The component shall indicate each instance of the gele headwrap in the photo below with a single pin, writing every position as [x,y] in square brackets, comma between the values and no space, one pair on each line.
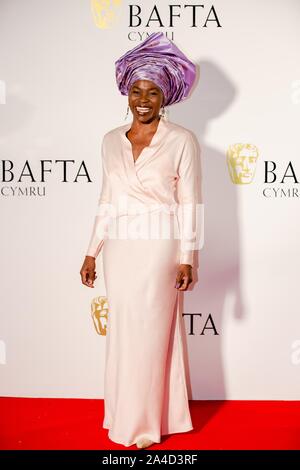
[159,60]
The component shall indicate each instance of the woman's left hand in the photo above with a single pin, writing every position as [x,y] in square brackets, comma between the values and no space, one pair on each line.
[184,276]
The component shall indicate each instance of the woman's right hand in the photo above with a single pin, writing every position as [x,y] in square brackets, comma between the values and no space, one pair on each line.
[88,271]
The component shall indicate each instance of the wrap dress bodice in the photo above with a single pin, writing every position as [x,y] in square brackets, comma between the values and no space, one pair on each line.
[165,177]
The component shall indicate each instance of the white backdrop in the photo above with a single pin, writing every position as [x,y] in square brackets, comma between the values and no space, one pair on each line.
[58,97]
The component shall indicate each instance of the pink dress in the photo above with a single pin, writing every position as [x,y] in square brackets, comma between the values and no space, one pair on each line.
[145,392]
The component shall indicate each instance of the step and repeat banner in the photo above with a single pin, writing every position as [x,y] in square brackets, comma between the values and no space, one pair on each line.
[58,97]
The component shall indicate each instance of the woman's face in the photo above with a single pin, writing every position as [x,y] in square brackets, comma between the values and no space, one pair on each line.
[145,94]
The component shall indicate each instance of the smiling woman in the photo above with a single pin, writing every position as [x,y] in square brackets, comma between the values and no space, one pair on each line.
[152,163]
[145,101]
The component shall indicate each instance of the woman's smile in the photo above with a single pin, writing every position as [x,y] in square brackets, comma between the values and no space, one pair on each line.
[142,110]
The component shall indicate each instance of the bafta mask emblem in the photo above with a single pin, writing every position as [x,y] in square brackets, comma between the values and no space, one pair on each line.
[241,162]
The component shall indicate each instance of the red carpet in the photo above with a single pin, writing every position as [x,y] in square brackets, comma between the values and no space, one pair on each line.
[40,423]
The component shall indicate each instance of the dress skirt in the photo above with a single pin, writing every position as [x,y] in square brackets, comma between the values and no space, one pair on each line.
[145,392]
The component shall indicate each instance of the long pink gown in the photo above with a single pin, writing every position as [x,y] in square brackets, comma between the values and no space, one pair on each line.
[145,392]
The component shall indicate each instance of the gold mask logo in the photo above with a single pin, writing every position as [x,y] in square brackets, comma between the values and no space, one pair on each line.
[105,12]
[241,162]
[99,309]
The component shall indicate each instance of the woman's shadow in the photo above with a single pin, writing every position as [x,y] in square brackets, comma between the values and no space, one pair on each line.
[215,292]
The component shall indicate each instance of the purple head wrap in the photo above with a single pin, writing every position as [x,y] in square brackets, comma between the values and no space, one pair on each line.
[159,60]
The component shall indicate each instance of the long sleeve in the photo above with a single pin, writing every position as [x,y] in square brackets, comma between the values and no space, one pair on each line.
[191,207]
[103,211]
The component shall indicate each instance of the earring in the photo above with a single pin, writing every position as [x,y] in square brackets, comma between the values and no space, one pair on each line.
[126,113]
[163,112]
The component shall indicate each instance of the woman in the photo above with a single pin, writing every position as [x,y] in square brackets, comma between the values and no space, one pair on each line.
[150,163]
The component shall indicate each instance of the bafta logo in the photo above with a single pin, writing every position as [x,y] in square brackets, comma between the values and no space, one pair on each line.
[105,12]
[241,162]
[99,308]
